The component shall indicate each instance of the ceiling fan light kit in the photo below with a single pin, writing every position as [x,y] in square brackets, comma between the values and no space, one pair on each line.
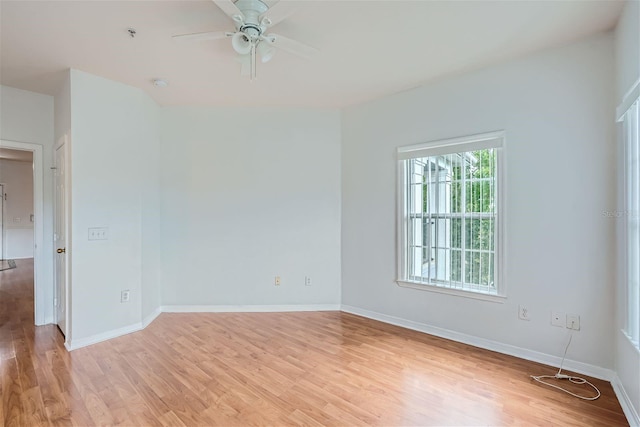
[252,18]
[265,51]
[241,43]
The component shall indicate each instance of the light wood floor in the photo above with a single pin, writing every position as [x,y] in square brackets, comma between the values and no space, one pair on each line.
[326,368]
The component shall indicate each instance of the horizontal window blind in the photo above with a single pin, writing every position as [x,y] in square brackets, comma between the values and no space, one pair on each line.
[450,211]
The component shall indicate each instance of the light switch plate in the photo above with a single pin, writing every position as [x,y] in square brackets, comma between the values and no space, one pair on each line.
[99,233]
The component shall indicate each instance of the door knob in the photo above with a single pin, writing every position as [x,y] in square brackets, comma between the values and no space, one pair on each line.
[61,250]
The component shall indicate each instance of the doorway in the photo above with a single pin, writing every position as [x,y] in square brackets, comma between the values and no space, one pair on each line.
[34,222]
[16,188]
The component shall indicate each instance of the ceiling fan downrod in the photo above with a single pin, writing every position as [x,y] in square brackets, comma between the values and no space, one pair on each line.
[250,23]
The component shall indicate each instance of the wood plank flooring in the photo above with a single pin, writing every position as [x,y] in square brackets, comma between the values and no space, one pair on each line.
[276,369]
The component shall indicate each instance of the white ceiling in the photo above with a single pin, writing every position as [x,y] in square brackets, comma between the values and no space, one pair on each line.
[368,49]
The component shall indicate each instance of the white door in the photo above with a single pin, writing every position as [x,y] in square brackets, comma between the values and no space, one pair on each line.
[1,223]
[60,239]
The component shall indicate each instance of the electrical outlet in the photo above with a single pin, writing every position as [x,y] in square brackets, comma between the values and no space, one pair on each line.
[307,281]
[523,313]
[558,319]
[124,295]
[276,281]
[573,322]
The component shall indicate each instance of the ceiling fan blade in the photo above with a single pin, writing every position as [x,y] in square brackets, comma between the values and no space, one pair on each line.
[229,8]
[279,12]
[209,35]
[291,46]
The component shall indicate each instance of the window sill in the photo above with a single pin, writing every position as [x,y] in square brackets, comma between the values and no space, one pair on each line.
[634,344]
[458,292]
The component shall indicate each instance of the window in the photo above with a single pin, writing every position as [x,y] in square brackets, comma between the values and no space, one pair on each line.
[450,215]
[631,137]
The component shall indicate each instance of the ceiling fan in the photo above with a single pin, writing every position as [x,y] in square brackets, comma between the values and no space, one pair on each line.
[252,18]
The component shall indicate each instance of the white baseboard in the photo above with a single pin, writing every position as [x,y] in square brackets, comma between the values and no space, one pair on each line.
[625,401]
[523,353]
[583,368]
[47,321]
[247,308]
[104,336]
[151,317]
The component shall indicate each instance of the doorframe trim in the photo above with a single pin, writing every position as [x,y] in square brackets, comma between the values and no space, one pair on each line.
[3,240]
[39,294]
[63,141]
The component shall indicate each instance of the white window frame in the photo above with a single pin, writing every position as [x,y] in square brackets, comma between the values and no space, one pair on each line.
[447,146]
[629,115]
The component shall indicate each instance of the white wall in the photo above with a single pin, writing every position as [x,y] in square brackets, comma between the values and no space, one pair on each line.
[28,117]
[115,185]
[556,108]
[18,208]
[627,42]
[151,237]
[62,108]
[248,194]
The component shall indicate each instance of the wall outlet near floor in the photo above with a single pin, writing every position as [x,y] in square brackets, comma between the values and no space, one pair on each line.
[523,313]
[124,295]
[573,322]
[558,319]
[307,281]
[276,281]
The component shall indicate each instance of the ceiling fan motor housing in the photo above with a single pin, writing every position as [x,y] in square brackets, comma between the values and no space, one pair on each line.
[251,9]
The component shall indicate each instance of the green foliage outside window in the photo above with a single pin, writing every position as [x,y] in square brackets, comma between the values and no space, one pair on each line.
[476,171]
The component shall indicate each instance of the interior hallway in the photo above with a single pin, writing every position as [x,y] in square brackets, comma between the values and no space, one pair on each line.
[319,368]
